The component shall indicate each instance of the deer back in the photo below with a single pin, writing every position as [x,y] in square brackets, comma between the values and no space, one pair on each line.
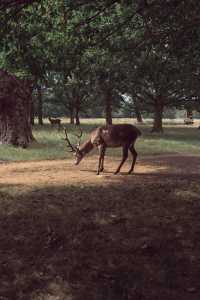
[54,121]
[115,135]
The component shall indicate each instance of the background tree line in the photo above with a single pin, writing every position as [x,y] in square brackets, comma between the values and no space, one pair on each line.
[82,57]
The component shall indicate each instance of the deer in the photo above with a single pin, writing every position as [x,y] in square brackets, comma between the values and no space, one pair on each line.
[103,137]
[55,121]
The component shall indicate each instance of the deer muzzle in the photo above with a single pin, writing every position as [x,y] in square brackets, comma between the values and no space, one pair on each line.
[78,158]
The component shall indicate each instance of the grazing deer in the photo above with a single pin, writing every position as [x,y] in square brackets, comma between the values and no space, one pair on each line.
[54,121]
[120,135]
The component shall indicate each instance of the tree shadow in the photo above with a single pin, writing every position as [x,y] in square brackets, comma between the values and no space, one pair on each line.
[171,166]
[92,242]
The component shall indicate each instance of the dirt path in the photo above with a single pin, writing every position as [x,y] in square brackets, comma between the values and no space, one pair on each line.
[62,172]
[63,236]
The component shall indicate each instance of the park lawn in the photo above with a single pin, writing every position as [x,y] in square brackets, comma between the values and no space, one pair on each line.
[50,145]
[66,233]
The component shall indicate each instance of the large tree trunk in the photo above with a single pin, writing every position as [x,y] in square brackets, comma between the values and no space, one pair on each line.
[15,106]
[189,113]
[77,117]
[77,109]
[71,115]
[138,113]
[158,116]
[40,105]
[108,107]
[32,113]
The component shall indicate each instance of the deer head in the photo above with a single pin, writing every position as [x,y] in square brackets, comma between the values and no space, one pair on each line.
[75,149]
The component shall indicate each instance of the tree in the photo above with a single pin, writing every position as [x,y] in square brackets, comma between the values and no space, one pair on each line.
[22,50]
[103,44]
[39,104]
[15,104]
[6,4]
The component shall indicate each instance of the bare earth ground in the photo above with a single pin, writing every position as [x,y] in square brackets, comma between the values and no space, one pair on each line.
[66,233]
[62,172]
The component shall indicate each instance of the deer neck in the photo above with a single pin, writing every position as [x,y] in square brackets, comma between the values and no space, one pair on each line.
[86,147]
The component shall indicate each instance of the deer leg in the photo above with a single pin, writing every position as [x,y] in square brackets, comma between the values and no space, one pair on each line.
[102,160]
[101,157]
[134,154]
[124,158]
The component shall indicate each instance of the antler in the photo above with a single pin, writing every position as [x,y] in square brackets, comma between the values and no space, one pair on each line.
[73,149]
[79,136]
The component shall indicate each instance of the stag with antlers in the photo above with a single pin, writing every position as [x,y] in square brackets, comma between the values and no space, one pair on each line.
[111,136]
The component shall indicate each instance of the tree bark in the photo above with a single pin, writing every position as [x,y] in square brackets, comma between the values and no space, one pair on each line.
[40,105]
[71,115]
[32,113]
[15,107]
[138,113]
[77,117]
[158,116]
[189,113]
[77,109]
[108,107]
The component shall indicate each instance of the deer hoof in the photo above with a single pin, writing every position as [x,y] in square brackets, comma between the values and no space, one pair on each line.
[130,172]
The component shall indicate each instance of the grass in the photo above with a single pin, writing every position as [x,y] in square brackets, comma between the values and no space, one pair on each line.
[50,144]
[133,237]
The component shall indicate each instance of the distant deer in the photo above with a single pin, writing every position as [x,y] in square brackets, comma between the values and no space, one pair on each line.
[54,121]
[120,135]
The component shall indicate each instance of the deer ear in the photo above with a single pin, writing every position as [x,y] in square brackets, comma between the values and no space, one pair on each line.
[76,149]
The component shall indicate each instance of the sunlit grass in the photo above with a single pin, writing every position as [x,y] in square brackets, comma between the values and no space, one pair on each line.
[50,142]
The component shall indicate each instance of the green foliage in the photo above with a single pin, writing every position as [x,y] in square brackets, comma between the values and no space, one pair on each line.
[80,50]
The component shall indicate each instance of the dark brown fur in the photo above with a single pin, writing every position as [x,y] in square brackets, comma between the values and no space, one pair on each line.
[120,135]
[54,121]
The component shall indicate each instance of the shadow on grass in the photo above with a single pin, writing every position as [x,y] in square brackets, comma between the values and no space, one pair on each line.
[116,242]
[173,133]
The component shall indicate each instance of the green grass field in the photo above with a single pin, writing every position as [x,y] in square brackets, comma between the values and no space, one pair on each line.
[50,144]
[66,233]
